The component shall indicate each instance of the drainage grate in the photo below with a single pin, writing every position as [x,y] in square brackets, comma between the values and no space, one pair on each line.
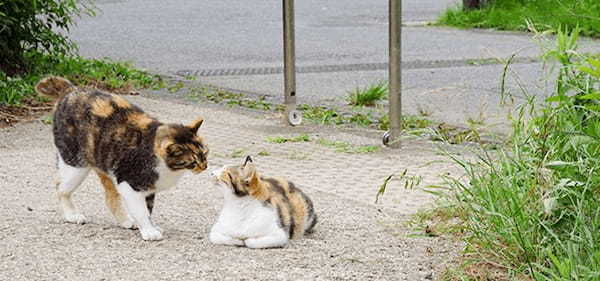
[347,67]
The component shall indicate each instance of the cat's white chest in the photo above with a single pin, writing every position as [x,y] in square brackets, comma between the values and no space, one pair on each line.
[247,218]
[167,178]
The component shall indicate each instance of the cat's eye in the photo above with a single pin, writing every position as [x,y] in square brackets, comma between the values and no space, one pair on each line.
[180,163]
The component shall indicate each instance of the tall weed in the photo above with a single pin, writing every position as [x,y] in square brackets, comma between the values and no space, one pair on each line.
[533,209]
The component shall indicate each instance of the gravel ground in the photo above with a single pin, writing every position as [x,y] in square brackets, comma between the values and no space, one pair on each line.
[354,240]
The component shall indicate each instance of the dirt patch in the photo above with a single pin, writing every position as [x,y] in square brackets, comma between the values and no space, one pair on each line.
[30,109]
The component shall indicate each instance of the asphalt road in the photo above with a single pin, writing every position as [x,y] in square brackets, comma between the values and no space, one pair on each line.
[343,44]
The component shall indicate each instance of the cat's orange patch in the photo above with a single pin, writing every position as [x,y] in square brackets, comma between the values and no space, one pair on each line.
[121,102]
[102,108]
[90,147]
[112,197]
[140,120]
[162,141]
[299,212]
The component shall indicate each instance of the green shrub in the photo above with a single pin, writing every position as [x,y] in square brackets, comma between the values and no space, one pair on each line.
[33,25]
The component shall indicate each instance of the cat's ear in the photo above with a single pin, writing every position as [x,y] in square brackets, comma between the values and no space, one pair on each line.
[248,160]
[251,180]
[250,176]
[195,125]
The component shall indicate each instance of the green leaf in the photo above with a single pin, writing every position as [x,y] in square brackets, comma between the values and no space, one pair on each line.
[382,188]
[559,98]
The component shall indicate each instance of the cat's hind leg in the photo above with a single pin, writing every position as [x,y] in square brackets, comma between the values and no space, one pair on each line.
[69,180]
[276,239]
[216,237]
[114,202]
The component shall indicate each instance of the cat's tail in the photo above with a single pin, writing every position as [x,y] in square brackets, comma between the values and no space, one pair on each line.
[54,87]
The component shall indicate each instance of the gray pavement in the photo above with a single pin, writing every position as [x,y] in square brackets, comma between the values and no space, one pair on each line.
[355,239]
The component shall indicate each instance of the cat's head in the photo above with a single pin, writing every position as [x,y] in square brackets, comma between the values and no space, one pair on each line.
[240,180]
[181,148]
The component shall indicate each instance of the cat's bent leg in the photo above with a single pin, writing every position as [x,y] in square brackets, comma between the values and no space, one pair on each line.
[136,205]
[70,179]
[275,239]
[114,202]
[216,237]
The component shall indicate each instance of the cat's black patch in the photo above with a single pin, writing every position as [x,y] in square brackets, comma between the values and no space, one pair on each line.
[150,202]
[281,220]
[292,226]
[312,224]
[236,188]
[276,186]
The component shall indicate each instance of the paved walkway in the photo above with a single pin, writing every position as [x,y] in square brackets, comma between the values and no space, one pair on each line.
[355,238]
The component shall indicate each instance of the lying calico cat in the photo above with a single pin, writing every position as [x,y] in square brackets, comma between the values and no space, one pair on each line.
[104,132]
[259,212]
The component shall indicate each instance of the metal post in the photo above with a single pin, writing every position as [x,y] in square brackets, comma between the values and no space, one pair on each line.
[289,64]
[395,73]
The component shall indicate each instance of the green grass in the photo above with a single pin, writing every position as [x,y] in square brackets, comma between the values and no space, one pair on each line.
[345,147]
[543,15]
[368,96]
[279,139]
[238,152]
[531,210]
[104,73]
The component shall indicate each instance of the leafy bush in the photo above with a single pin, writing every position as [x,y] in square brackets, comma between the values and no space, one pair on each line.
[35,25]
[534,208]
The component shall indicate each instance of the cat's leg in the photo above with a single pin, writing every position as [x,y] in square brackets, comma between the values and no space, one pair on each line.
[275,239]
[114,202]
[136,205]
[150,206]
[217,237]
[69,180]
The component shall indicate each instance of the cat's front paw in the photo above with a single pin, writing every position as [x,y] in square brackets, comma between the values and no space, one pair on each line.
[76,218]
[151,234]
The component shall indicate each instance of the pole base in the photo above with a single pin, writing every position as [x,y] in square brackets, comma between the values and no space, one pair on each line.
[387,140]
[294,117]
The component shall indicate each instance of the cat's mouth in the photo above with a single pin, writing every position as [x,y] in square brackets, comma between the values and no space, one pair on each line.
[199,168]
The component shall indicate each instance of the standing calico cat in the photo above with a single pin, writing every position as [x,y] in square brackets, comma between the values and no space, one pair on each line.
[259,212]
[104,132]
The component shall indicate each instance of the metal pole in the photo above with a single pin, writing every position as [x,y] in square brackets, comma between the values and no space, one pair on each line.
[395,73]
[289,64]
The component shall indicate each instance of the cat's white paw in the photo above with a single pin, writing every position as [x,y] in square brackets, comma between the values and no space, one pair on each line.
[76,218]
[276,240]
[151,234]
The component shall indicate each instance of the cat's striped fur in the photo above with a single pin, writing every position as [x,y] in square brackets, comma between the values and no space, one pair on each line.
[260,212]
